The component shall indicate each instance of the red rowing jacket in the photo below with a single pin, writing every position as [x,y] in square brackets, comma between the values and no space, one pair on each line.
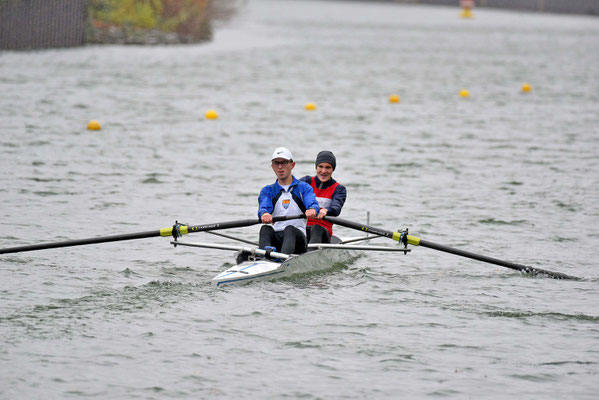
[324,198]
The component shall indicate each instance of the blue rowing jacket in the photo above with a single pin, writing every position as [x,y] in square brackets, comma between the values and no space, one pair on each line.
[276,201]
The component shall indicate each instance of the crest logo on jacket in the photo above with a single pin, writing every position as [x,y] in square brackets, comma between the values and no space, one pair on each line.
[285,203]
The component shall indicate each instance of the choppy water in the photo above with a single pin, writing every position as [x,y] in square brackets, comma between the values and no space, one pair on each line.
[501,173]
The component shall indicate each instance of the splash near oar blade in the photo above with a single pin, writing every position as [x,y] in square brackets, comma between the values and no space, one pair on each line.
[415,241]
[174,231]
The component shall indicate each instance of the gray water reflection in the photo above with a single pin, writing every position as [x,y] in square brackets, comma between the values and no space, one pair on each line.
[503,173]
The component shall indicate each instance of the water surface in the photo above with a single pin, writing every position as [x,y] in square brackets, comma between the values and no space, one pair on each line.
[502,173]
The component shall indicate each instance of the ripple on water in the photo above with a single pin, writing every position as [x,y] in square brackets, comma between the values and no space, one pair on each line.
[543,315]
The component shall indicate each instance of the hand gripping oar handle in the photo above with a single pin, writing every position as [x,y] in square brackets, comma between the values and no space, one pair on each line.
[179,230]
[405,238]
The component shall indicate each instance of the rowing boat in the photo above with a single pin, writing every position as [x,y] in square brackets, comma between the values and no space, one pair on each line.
[259,265]
[284,267]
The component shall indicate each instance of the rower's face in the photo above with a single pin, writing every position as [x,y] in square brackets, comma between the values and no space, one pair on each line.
[324,171]
[282,167]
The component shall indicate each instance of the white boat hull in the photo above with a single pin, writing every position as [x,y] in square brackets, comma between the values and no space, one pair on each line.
[313,261]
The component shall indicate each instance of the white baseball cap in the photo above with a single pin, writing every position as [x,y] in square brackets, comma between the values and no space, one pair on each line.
[282,152]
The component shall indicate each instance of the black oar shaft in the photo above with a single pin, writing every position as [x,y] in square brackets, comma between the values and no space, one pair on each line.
[81,242]
[491,260]
[183,229]
[237,224]
[362,227]
[419,242]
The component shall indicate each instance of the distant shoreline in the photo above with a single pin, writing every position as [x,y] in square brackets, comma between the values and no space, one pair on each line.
[585,7]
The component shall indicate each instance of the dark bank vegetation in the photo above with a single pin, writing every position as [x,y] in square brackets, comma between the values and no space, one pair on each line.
[156,21]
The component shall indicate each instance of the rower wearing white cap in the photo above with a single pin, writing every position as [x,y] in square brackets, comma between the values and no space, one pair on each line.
[287,196]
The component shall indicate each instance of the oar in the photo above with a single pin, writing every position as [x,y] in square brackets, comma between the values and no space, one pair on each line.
[175,231]
[407,239]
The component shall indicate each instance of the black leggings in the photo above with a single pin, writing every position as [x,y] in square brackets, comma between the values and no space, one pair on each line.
[288,241]
[318,234]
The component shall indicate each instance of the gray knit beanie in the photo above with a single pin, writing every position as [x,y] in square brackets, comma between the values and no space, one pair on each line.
[326,156]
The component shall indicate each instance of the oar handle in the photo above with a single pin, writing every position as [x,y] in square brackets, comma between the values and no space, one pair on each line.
[234,224]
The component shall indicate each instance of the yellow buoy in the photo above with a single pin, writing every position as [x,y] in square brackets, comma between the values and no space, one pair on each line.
[93,125]
[526,88]
[394,98]
[310,107]
[466,13]
[464,93]
[211,114]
